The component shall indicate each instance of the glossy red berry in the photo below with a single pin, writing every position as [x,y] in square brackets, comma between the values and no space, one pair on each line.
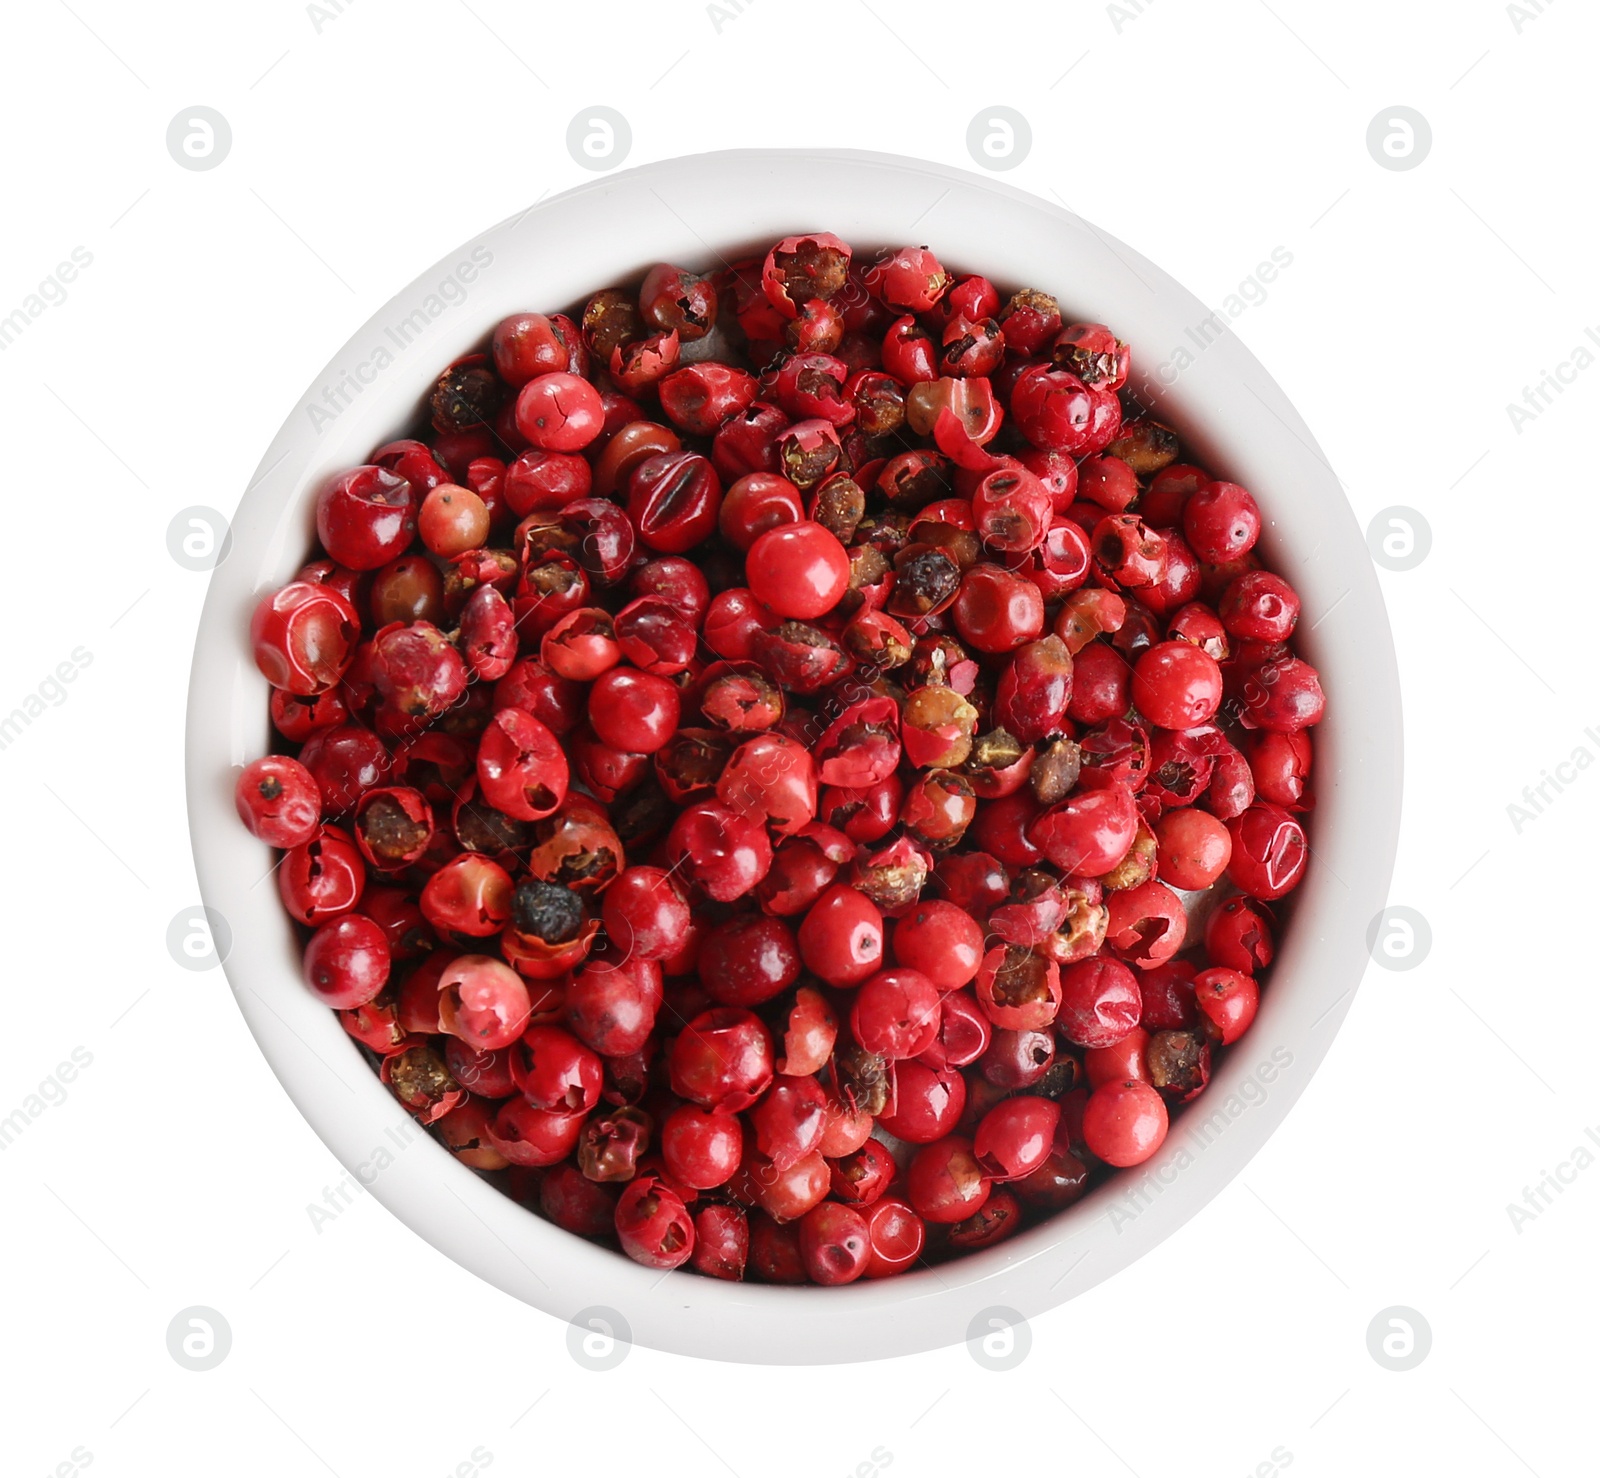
[1284,696]
[1014,1138]
[321,878]
[554,1070]
[1227,999]
[1221,522]
[719,850]
[366,517]
[1269,851]
[798,570]
[653,1225]
[996,610]
[674,500]
[484,1003]
[645,914]
[722,1059]
[841,937]
[701,1147]
[1088,833]
[834,1243]
[278,801]
[559,412]
[632,710]
[721,1241]
[941,941]
[896,1237]
[860,1177]
[1100,1002]
[1193,848]
[1177,686]
[928,1102]
[1239,935]
[470,895]
[347,962]
[303,637]
[896,1013]
[748,959]
[945,1182]
[1124,1123]
[521,767]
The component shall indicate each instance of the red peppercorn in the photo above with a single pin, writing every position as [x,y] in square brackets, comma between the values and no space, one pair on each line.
[1177,686]
[559,412]
[1124,1123]
[366,517]
[896,1013]
[798,570]
[1100,1002]
[653,1225]
[945,1182]
[701,1147]
[748,959]
[1194,848]
[1014,1138]
[347,961]
[941,941]
[896,1236]
[928,1102]
[304,637]
[322,877]
[645,915]
[722,1059]
[834,1243]
[521,767]
[1221,522]
[1227,999]
[996,610]
[1269,851]
[841,937]
[484,1002]
[1089,833]
[278,801]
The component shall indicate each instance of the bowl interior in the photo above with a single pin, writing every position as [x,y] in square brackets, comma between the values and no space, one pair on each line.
[699,212]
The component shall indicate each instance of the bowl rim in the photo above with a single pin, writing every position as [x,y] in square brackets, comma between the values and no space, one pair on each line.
[1309,525]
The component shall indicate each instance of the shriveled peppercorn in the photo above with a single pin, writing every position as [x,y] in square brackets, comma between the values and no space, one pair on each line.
[1055,772]
[839,505]
[466,395]
[1146,446]
[546,912]
[1179,1062]
[610,320]
[924,580]
[863,1077]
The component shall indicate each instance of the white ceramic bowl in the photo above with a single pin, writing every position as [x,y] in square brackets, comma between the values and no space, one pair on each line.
[697,211]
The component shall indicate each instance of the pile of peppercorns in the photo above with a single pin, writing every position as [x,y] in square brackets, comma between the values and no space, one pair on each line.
[745,770]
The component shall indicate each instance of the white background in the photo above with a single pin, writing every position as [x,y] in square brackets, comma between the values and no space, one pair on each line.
[369,143]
